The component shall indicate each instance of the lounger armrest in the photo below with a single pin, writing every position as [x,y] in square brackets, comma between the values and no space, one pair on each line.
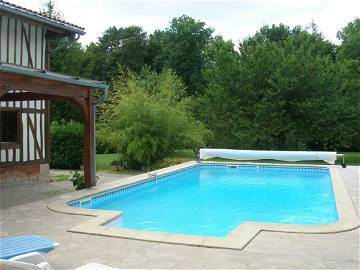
[34,258]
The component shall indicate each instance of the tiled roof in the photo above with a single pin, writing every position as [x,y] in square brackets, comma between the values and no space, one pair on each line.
[41,16]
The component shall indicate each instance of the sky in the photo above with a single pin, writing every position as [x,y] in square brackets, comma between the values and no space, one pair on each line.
[233,20]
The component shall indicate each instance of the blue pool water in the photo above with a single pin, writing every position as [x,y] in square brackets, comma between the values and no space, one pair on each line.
[212,200]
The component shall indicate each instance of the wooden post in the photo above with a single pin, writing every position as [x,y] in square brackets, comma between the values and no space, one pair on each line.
[89,151]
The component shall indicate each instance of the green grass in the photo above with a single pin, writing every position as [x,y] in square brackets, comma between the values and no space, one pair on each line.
[103,161]
[59,178]
[351,158]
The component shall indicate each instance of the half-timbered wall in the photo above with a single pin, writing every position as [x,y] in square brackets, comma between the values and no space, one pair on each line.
[24,44]
[33,132]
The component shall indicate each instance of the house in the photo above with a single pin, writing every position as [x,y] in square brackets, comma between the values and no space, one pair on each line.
[26,87]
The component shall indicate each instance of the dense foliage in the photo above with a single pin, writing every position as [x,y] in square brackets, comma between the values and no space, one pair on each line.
[66,145]
[148,118]
[283,91]
[282,88]
[180,47]
[127,47]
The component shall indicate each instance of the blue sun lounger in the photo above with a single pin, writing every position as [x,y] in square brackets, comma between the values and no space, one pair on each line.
[17,245]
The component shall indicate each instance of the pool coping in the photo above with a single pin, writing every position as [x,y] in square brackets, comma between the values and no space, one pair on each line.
[238,239]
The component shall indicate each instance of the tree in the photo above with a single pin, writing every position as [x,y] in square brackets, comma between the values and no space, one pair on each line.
[117,47]
[66,57]
[285,88]
[275,33]
[348,31]
[280,33]
[147,119]
[348,75]
[50,9]
[180,47]
[282,91]
[219,106]
[350,38]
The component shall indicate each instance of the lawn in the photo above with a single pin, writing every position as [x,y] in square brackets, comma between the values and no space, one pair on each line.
[351,158]
[103,161]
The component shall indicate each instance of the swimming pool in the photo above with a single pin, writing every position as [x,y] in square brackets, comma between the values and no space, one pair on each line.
[214,199]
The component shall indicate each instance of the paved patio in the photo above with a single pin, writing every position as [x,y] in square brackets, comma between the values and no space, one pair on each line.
[24,211]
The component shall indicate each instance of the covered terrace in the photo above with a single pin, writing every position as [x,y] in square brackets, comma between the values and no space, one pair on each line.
[18,83]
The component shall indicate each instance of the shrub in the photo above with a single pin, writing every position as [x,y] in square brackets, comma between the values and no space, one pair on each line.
[78,180]
[149,119]
[66,140]
[167,162]
[104,147]
[120,163]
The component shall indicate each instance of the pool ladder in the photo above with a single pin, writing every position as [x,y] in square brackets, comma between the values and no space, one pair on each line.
[153,174]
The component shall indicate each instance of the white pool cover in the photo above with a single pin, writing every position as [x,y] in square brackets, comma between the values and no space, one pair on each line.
[207,153]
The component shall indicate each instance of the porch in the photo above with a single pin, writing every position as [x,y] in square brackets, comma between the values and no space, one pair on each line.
[18,83]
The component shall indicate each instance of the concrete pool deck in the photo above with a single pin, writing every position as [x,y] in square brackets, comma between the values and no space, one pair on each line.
[239,238]
[267,250]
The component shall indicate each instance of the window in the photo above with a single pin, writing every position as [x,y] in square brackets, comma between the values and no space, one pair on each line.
[9,126]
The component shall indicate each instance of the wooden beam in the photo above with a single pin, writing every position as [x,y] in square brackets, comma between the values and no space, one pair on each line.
[43,89]
[81,103]
[3,91]
[43,86]
[29,96]
[27,42]
[47,131]
[24,110]
[89,137]
[47,53]
[34,133]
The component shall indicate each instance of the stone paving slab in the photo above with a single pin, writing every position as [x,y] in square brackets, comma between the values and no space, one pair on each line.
[267,250]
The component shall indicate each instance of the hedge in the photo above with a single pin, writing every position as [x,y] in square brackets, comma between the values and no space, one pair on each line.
[66,139]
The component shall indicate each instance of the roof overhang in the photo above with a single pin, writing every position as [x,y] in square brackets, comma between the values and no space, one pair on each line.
[19,83]
[52,76]
[37,17]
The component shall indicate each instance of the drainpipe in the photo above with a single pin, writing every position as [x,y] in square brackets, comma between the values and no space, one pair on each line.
[96,103]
